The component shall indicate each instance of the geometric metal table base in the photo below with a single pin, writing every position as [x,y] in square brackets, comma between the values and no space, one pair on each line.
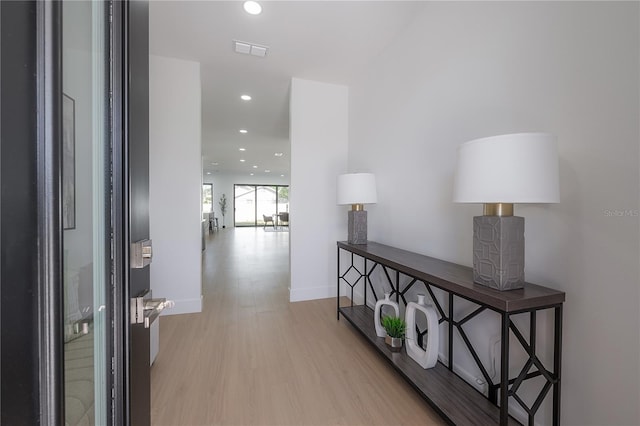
[532,368]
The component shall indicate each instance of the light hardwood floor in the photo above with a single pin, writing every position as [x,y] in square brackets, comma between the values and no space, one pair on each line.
[253,358]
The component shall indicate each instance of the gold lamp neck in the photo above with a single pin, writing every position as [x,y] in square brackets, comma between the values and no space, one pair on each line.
[498,209]
[357,207]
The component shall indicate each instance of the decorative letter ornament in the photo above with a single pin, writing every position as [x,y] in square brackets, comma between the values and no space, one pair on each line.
[380,331]
[425,358]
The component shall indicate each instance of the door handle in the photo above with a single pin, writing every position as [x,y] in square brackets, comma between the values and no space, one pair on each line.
[152,310]
[145,310]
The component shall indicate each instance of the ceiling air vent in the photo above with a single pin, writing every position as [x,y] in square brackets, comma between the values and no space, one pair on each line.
[250,48]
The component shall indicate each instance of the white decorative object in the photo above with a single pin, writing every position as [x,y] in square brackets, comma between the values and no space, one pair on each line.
[428,357]
[380,331]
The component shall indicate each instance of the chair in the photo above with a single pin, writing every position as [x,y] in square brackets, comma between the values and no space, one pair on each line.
[213,223]
[284,217]
[268,219]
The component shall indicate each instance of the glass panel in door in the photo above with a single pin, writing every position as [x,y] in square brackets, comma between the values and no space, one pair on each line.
[283,199]
[266,203]
[207,199]
[244,205]
[85,194]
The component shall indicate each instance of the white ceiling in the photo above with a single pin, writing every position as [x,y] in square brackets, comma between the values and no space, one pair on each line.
[329,41]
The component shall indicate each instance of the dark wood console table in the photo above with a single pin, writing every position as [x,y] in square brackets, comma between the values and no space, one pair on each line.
[452,397]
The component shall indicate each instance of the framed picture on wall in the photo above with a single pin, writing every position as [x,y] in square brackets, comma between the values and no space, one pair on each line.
[68,162]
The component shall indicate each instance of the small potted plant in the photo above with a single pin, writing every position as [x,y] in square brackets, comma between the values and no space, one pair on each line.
[223,208]
[396,329]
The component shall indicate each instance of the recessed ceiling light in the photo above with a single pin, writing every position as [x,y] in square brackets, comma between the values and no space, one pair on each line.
[245,97]
[242,131]
[281,175]
[255,167]
[242,160]
[252,7]
[242,149]
[250,174]
[267,171]
[278,154]
[214,164]
[208,173]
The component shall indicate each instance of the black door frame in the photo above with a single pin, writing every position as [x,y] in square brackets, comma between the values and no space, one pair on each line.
[31,280]
[49,165]
[135,196]
[30,269]
[119,214]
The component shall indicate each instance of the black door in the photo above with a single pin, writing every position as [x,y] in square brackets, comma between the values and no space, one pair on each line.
[137,126]
[34,286]
[22,317]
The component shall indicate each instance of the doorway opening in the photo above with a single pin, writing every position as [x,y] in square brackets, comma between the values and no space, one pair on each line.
[257,205]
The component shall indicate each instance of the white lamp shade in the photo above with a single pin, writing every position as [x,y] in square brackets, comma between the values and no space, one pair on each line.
[357,188]
[516,168]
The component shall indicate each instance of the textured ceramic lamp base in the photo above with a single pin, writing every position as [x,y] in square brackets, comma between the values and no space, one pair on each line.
[357,227]
[498,252]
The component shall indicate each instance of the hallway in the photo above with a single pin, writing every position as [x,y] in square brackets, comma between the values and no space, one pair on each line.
[253,358]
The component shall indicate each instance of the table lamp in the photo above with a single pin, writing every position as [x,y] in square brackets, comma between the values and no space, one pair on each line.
[357,189]
[499,171]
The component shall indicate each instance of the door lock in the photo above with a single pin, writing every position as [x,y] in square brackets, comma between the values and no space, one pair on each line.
[141,254]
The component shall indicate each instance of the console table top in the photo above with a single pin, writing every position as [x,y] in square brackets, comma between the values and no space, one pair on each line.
[456,278]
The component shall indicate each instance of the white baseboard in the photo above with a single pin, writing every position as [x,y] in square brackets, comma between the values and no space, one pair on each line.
[311,293]
[358,296]
[185,306]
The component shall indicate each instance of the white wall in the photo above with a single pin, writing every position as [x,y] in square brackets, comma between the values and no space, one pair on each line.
[319,136]
[175,182]
[467,70]
[223,184]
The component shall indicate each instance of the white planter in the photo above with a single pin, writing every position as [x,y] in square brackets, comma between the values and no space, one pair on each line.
[380,331]
[428,357]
